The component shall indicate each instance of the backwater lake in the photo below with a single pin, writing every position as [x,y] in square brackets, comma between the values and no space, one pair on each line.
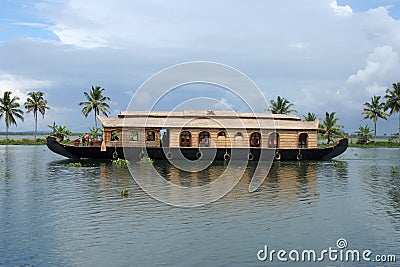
[52,214]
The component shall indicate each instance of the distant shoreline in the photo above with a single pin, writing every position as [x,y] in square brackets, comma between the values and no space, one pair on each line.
[24,141]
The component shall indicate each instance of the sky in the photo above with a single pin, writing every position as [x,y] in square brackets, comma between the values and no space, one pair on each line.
[322,55]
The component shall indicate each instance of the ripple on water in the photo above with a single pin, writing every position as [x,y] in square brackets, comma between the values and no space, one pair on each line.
[56,215]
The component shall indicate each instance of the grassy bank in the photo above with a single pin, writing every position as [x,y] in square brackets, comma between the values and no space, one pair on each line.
[382,144]
[23,141]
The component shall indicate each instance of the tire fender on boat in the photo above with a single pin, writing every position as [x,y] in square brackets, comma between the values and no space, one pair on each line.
[169,155]
[141,155]
[278,156]
[115,154]
[199,155]
[227,157]
[250,156]
[299,156]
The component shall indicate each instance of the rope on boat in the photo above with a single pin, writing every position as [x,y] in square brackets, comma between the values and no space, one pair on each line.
[115,154]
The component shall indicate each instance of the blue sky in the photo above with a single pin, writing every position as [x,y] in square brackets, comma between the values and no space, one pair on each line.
[322,55]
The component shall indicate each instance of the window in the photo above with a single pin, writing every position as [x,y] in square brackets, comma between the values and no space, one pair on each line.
[115,136]
[303,138]
[204,139]
[186,139]
[273,140]
[133,136]
[150,136]
[221,134]
[255,139]
[238,136]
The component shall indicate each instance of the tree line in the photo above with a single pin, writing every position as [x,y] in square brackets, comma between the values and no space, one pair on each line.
[96,102]
[11,110]
[329,128]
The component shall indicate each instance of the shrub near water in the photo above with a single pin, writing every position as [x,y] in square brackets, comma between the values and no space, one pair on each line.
[146,160]
[75,164]
[120,162]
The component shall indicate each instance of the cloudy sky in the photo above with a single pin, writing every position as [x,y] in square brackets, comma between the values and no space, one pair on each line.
[322,55]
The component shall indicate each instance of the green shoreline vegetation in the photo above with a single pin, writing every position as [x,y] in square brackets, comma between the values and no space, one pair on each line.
[23,141]
[329,128]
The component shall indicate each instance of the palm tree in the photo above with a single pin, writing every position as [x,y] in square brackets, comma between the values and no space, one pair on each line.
[374,111]
[310,117]
[364,135]
[281,106]
[329,128]
[96,102]
[35,103]
[393,100]
[9,108]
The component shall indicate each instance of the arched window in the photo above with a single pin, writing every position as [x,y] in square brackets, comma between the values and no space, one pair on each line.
[204,139]
[133,136]
[303,140]
[255,139]
[186,139]
[238,136]
[221,134]
[150,136]
[273,140]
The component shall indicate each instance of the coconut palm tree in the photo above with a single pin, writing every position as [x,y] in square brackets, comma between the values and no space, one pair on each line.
[310,117]
[374,111]
[281,106]
[393,100]
[364,135]
[329,128]
[35,103]
[95,102]
[9,108]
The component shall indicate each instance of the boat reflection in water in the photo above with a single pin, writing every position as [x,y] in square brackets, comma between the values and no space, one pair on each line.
[286,182]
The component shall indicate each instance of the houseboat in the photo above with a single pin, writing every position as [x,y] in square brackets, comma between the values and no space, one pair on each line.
[194,135]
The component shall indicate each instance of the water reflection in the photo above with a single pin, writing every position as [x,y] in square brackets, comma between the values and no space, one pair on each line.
[287,182]
[383,189]
[292,181]
[57,215]
[337,175]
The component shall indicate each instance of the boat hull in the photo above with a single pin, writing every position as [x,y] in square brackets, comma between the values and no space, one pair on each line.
[91,152]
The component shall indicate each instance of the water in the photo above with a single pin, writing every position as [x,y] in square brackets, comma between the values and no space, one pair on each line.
[55,215]
[30,136]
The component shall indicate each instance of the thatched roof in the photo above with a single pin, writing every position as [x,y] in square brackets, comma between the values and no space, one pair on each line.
[207,120]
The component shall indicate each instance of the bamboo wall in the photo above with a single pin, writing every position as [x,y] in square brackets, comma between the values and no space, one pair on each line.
[288,139]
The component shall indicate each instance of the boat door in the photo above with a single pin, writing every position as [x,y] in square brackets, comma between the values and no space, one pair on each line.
[164,135]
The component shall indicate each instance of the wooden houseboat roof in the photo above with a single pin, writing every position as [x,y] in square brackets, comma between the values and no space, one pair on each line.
[207,120]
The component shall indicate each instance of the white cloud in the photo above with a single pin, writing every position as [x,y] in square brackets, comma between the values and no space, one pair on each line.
[307,53]
[382,66]
[20,86]
[341,10]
